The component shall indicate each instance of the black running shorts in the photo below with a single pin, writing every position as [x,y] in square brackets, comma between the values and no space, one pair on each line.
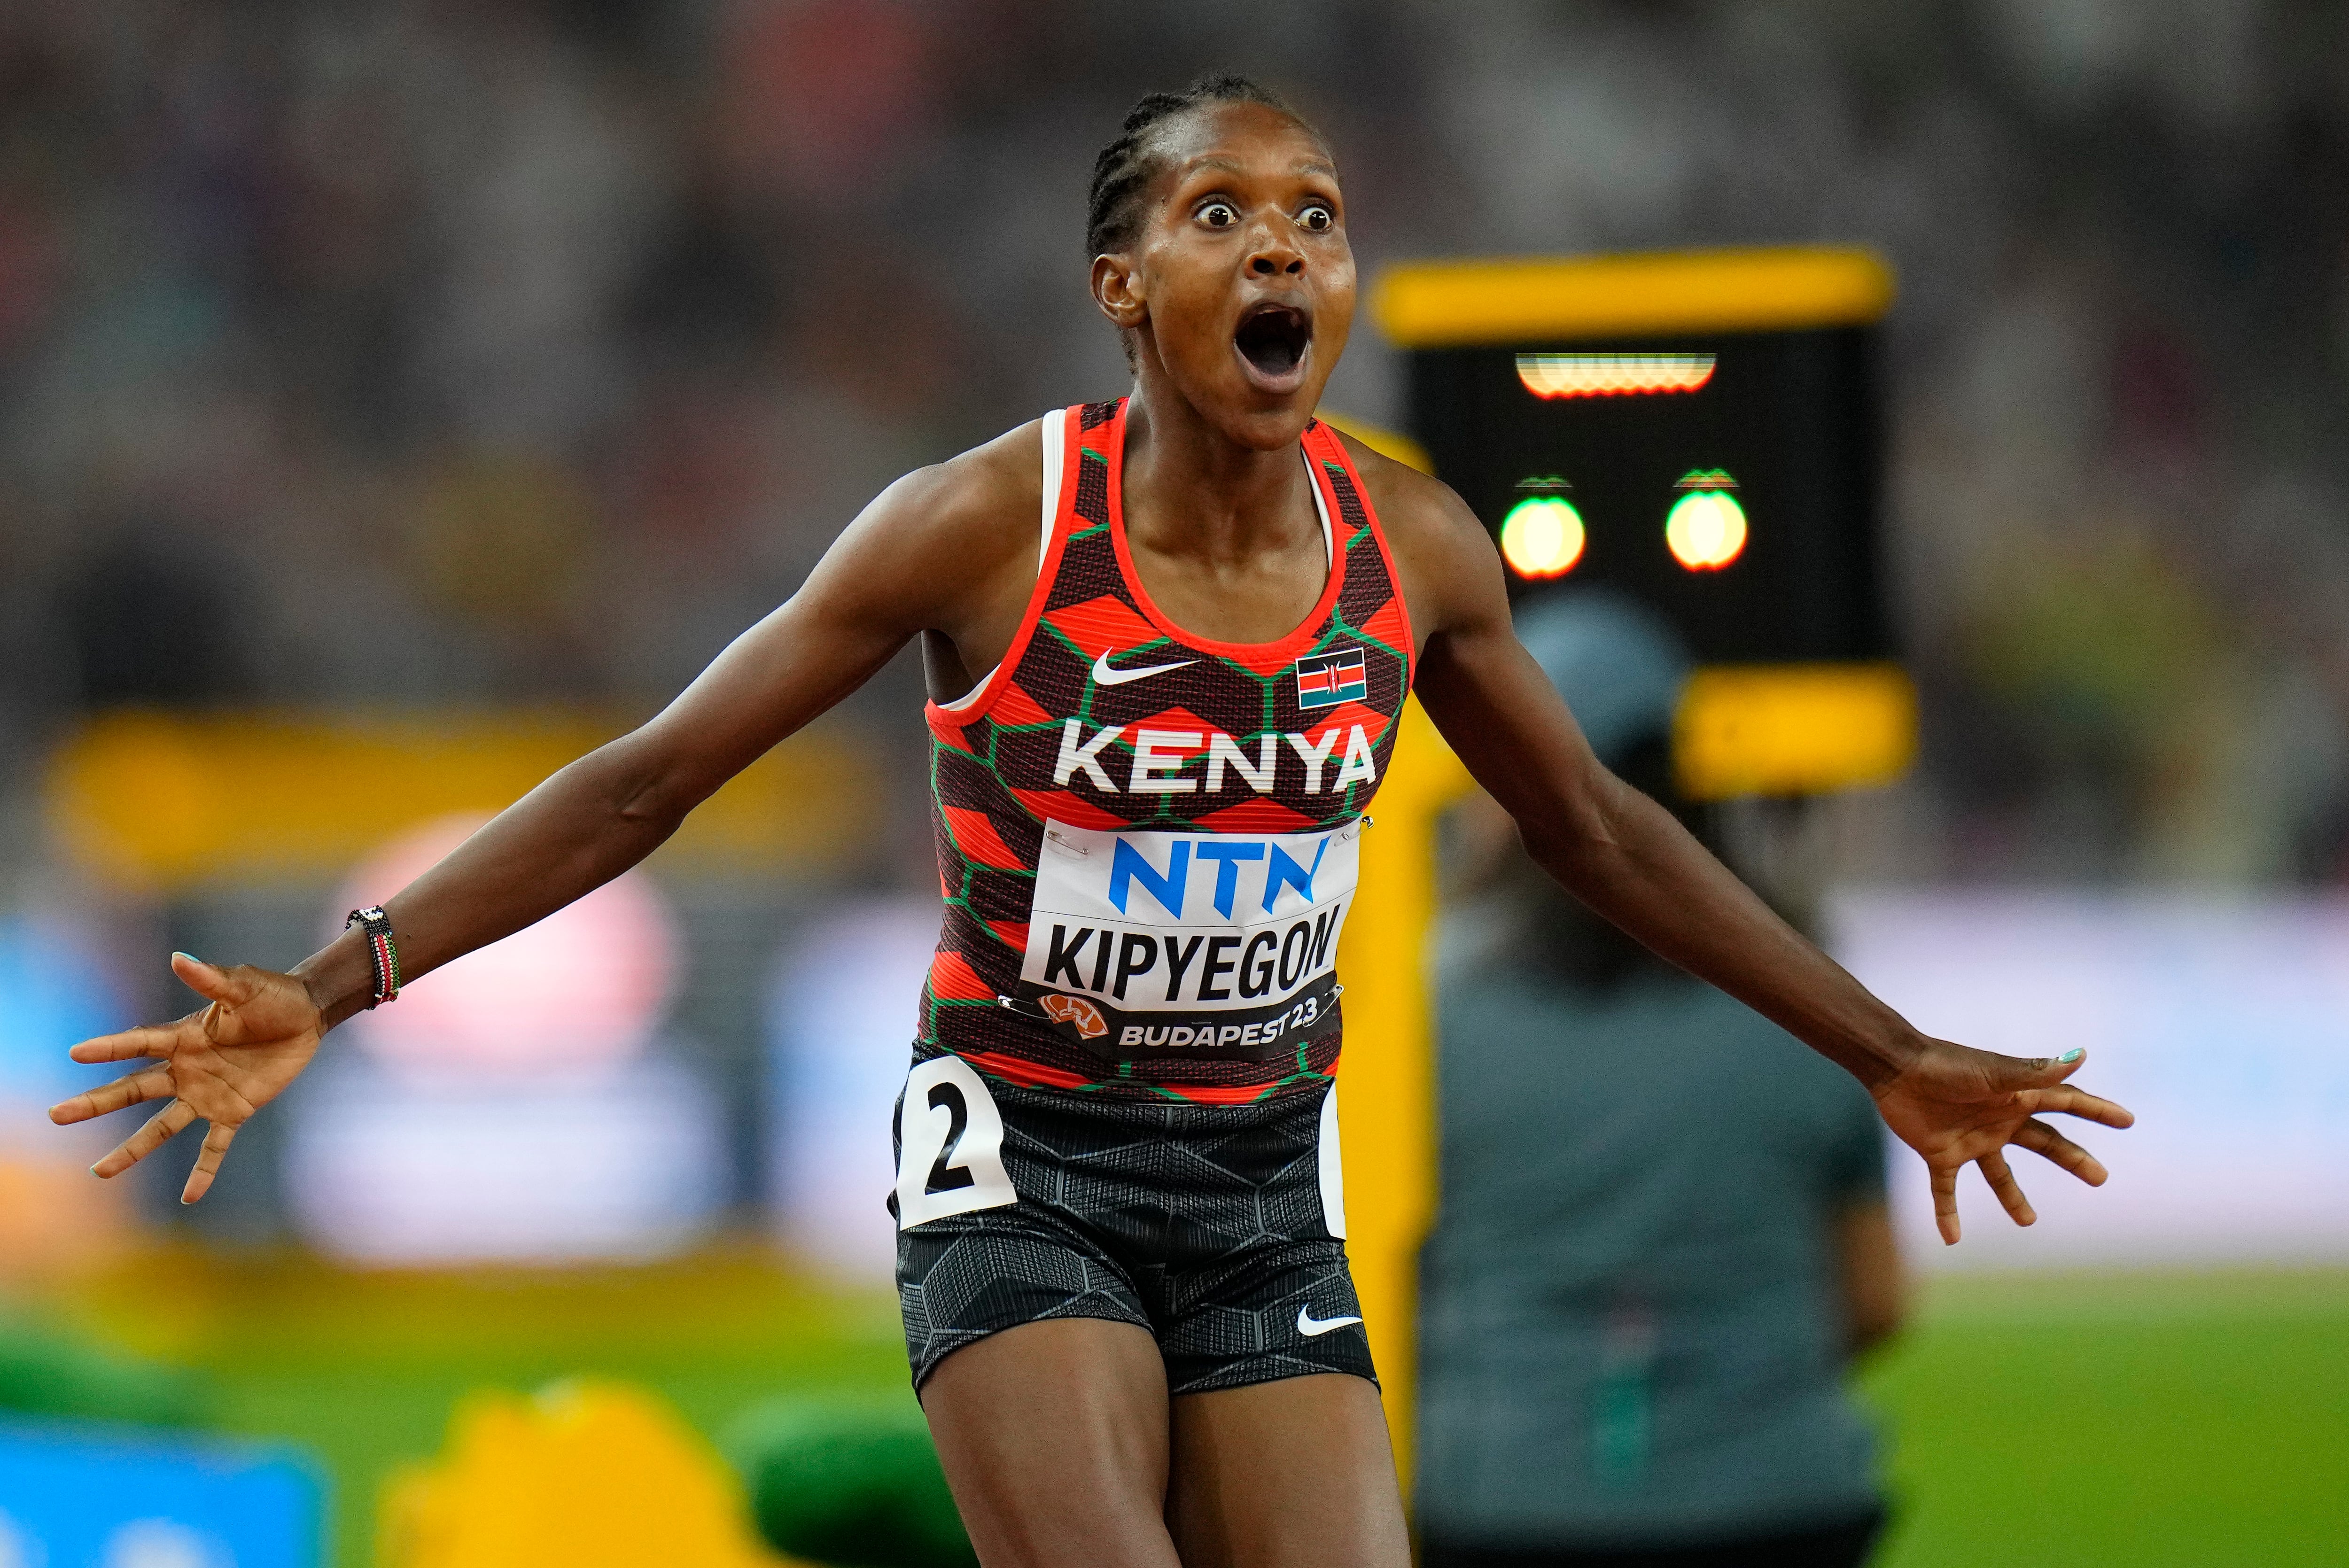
[1218,1228]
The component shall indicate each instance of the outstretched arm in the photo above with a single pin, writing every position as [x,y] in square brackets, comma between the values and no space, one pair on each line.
[950,548]
[1625,856]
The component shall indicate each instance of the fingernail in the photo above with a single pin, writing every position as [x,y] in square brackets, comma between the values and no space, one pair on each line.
[189,956]
[2073,1055]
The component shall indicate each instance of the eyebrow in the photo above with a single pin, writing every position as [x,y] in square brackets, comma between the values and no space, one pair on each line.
[1232,166]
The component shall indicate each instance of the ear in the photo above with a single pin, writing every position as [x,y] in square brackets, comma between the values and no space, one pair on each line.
[1120,291]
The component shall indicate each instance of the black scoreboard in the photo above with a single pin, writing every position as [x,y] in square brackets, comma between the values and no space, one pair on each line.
[1727,480]
[1701,431]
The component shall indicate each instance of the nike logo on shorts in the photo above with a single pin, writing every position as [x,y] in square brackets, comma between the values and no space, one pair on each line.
[1312,1327]
[1105,676]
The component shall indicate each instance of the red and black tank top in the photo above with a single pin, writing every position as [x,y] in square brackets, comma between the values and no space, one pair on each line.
[1148,838]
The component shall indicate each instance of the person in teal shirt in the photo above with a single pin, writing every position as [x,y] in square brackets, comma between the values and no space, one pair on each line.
[1662,1236]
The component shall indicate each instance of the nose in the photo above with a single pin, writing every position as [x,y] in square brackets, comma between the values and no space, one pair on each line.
[1274,255]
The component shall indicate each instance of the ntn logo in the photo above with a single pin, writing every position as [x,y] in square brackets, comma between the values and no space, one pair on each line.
[1143,881]
[1282,872]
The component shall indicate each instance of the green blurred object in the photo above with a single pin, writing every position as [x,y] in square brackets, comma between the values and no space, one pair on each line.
[848,1481]
[46,1371]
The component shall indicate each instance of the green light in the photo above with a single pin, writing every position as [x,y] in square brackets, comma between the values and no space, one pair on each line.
[1705,530]
[1542,537]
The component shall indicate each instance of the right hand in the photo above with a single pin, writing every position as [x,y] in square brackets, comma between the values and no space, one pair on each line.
[220,1064]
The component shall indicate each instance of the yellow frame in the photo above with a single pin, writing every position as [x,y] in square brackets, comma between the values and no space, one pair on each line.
[1464,304]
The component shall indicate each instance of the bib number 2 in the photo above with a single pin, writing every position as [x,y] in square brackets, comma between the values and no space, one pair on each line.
[949,1145]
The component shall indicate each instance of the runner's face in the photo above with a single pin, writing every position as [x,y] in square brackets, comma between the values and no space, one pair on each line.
[1241,278]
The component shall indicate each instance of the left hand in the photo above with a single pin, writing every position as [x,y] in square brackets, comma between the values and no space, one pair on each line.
[1956,1106]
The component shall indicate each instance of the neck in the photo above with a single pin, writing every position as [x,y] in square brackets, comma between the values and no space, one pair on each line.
[1192,487]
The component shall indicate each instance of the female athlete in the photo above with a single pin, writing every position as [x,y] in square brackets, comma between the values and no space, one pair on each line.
[1166,639]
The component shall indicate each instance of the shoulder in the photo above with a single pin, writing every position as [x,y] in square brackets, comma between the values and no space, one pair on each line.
[945,538]
[1407,501]
[1446,559]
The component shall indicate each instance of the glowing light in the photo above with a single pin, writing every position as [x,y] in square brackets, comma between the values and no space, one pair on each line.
[1705,530]
[1611,375]
[1542,537]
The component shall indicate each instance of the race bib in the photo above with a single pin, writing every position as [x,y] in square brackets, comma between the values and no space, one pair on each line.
[949,1145]
[1144,943]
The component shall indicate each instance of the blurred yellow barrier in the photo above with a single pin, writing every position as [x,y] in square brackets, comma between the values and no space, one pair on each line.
[1386,1098]
[585,1475]
[1450,304]
[1793,730]
[163,802]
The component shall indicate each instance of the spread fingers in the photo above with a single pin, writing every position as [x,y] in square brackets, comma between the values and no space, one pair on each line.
[152,1084]
[1945,1203]
[2010,1192]
[2049,1144]
[159,1131]
[148,1040]
[2071,1101]
[217,1139]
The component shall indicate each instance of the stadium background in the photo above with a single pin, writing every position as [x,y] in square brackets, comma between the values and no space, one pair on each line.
[398,394]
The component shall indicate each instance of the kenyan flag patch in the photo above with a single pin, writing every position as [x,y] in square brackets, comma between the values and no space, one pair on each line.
[1325,680]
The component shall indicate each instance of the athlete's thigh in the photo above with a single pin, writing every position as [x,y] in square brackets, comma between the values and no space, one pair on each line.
[1053,1435]
[1296,1473]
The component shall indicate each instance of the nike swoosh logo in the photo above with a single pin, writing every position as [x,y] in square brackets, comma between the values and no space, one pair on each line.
[1312,1327]
[1105,676]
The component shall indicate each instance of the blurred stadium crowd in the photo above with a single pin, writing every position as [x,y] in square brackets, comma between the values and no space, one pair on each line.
[421,353]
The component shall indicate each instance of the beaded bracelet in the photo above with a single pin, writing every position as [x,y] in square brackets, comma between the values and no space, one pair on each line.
[382,950]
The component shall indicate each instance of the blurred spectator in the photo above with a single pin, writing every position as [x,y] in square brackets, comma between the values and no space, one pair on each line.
[518,352]
[1664,1232]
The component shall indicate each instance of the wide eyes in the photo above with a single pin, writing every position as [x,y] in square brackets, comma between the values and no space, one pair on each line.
[1314,217]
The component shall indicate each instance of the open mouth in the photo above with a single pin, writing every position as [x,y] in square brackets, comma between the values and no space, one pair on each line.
[1273,339]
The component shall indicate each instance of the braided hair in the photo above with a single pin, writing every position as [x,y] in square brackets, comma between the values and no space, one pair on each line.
[1127,166]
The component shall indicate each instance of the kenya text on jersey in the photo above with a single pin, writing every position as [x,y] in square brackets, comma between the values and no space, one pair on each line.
[1163,757]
